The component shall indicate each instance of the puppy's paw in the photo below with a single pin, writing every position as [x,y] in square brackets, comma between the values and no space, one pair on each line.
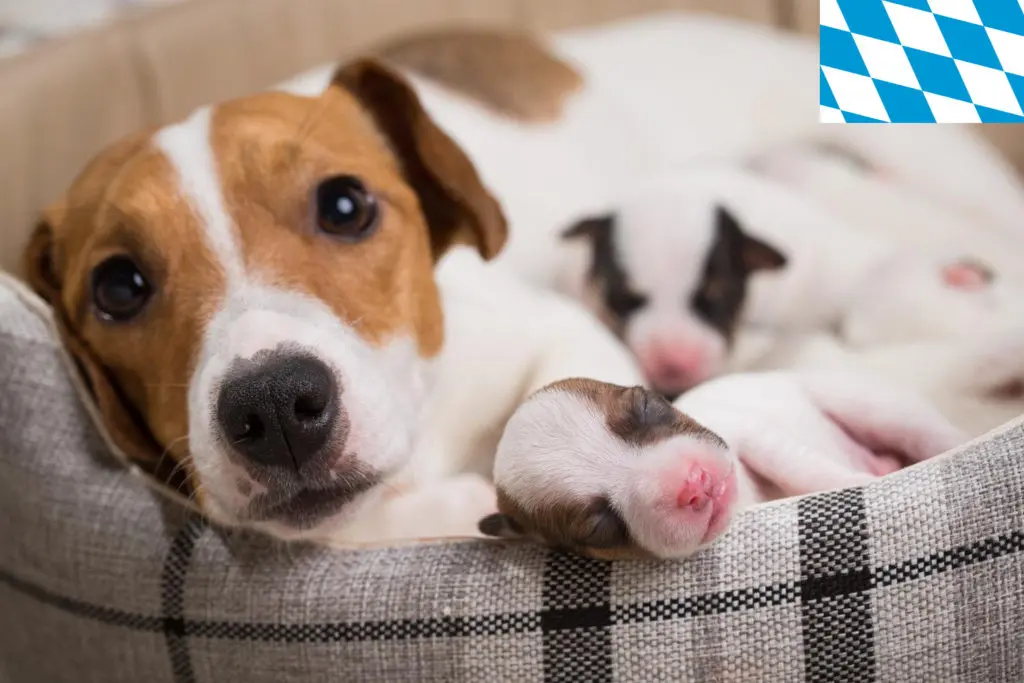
[445,509]
[611,472]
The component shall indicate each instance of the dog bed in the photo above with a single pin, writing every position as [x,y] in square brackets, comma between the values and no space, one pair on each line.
[919,577]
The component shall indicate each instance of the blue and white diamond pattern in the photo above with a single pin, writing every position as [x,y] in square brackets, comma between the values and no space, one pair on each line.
[922,61]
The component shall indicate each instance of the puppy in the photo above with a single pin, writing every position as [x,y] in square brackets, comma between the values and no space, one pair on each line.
[655,480]
[689,257]
[669,272]
[686,258]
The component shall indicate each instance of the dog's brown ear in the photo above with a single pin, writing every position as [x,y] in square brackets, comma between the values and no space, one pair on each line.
[123,424]
[37,261]
[458,207]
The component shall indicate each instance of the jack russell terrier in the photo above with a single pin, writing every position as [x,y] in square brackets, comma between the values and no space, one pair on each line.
[286,296]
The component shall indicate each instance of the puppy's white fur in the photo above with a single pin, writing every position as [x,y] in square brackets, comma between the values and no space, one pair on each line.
[786,434]
[870,201]
[961,378]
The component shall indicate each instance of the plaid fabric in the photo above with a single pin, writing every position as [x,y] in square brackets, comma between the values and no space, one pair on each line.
[922,61]
[919,577]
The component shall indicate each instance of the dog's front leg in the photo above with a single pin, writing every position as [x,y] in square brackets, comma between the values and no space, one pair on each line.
[443,508]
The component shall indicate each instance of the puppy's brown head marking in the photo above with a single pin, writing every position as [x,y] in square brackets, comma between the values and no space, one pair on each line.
[273,219]
[636,415]
[511,73]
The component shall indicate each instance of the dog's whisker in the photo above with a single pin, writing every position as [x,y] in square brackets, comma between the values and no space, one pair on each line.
[168,452]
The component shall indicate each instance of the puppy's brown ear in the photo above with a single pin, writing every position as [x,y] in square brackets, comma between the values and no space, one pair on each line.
[124,426]
[458,207]
[499,525]
[37,261]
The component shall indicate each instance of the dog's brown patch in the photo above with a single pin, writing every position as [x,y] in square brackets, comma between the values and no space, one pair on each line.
[511,73]
[273,150]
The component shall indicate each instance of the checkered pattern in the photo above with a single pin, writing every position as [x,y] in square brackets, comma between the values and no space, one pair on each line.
[919,577]
[922,61]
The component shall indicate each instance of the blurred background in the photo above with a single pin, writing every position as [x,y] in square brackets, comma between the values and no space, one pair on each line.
[78,74]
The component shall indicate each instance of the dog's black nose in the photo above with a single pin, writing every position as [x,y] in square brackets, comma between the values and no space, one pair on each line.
[280,410]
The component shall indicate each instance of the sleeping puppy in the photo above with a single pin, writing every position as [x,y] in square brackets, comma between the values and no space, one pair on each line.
[659,480]
[673,287]
[687,258]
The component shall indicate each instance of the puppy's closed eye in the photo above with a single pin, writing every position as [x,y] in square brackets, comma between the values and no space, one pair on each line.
[650,409]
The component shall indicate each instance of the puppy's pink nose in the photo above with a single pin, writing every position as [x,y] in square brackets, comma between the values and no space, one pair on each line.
[674,368]
[698,490]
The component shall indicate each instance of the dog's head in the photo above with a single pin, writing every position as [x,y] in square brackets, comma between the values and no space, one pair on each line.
[669,271]
[250,291]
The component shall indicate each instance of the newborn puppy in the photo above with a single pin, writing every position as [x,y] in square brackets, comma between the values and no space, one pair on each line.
[687,257]
[656,480]
[669,272]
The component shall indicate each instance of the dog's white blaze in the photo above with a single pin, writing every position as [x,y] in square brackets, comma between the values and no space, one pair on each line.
[188,147]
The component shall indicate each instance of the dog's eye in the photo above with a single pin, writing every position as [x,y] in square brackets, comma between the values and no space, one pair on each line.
[119,289]
[624,303]
[345,209]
